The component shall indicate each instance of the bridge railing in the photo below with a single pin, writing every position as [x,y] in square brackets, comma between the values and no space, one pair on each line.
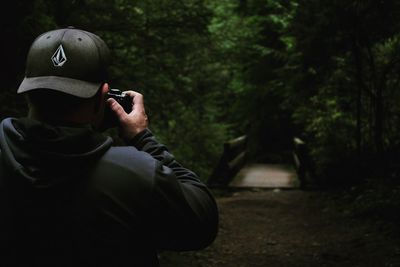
[232,160]
[303,163]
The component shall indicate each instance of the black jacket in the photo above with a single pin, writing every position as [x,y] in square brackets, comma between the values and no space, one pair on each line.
[70,198]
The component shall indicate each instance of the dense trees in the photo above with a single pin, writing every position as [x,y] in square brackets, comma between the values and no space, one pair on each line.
[273,69]
[349,61]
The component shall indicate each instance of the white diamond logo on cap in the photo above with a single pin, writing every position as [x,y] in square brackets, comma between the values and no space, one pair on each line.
[59,57]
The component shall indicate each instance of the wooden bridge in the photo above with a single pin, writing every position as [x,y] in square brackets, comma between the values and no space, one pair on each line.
[232,170]
[266,176]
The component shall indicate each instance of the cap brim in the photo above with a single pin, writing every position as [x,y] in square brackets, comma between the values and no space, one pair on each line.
[69,86]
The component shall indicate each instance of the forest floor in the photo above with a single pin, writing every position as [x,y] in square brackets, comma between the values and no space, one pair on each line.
[292,228]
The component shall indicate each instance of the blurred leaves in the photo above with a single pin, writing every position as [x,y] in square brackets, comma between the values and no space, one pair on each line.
[210,70]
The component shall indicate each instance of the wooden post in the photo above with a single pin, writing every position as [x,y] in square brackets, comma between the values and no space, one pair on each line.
[302,162]
[232,160]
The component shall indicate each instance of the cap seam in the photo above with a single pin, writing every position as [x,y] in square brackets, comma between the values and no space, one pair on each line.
[98,48]
[62,37]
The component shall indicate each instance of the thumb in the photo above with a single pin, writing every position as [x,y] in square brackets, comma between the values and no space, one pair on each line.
[116,108]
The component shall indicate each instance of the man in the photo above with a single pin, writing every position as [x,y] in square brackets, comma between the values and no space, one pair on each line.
[70,198]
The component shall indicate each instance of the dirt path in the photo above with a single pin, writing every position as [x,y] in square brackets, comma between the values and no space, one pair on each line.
[291,228]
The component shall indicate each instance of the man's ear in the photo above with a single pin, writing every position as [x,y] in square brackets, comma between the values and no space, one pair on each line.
[101,97]
[104,90]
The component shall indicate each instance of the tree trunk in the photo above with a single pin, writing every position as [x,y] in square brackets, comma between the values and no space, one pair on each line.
[379,120]
[358,76]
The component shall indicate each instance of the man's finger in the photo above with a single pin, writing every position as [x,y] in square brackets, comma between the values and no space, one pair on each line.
[138,103]
[116,108]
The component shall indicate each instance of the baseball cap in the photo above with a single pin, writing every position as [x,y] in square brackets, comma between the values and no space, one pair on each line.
[68,60]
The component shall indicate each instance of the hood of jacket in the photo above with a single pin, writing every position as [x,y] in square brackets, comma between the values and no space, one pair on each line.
[47,155]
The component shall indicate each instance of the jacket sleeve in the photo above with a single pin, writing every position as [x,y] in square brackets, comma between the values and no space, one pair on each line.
[183,213]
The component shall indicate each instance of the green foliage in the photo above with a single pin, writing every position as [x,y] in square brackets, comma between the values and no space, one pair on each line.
[211,70]
[253,41]
[194,139]
[347,69]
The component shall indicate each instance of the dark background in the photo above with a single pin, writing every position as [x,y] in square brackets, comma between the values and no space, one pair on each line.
[211,70]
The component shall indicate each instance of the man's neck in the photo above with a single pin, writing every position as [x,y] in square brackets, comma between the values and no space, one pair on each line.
[71,119]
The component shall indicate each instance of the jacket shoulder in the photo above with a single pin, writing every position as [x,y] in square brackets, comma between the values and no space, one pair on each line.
[129,159]
[124,172]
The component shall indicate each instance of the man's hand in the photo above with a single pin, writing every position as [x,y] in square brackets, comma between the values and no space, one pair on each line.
[133,123]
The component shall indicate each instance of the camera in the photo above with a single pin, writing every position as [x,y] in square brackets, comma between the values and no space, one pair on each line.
[123,99]
[109,118]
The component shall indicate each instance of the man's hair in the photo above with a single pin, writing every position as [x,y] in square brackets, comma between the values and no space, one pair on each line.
[50,104]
